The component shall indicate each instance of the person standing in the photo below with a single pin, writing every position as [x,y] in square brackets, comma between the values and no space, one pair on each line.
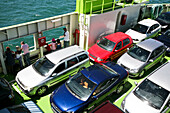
[26,55]
[18,56]
[66,38]
[53,45]
[58,44]
[10,61]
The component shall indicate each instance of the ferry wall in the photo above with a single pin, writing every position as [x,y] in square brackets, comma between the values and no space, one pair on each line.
[111,21]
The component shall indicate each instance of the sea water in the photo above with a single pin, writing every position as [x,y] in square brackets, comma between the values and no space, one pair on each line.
[14,12]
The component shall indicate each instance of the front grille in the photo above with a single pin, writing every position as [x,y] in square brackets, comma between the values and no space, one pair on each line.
[55,108]
[92,56]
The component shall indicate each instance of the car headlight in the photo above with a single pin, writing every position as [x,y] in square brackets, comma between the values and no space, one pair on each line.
[134,70]
[99,59]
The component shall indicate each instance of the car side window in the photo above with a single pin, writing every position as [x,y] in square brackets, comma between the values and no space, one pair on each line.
[126,42]
[119,46]
[156,26]
[60,68]
[72,62]
[82,57]
[151,29]
[102,86]
[156,52]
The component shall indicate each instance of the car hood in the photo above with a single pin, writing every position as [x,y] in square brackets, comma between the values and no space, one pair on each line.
[97,51]
[64,100]
[135,34]
[130,62]
[134,105]
[29,77]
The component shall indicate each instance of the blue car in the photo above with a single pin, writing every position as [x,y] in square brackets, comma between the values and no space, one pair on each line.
[165,38]
[88,87]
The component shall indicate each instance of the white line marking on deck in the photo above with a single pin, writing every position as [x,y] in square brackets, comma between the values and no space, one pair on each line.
[16,88]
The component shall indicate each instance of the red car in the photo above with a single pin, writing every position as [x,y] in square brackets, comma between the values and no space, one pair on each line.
[110,47]
[107,107]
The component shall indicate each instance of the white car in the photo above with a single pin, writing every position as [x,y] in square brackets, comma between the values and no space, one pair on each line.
[144,29]
[51,69]
[152,95]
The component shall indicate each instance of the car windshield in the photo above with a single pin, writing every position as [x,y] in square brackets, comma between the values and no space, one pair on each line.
[43,66]
[164,17]
[80,86]
[138,53]
[140,28]
[151,93]
[106,44]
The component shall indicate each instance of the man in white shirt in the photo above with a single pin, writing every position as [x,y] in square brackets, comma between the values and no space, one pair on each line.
[66,38]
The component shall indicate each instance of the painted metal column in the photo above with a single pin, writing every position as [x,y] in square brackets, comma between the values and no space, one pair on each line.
[2,59]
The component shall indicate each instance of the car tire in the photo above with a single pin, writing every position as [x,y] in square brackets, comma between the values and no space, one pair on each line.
[119,89]
[141,73]
[81,69]
[41,90]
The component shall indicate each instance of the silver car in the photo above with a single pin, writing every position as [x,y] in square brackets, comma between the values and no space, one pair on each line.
[152,95]
[142,57]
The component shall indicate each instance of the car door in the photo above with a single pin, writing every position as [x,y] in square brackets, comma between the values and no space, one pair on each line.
[154,29]
[150,32]
[117,51]
[155,57]
[56,76]
[103,90]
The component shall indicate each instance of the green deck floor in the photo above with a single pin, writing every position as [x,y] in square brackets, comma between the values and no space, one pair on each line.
[44,103]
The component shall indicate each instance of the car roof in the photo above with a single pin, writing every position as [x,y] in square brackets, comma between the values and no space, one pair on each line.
[107,107]
[98,74]
[161,76]
[115,37]
[148,22]
[150,44]
[61,54]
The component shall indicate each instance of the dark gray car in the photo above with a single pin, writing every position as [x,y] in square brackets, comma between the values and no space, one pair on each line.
[142,56]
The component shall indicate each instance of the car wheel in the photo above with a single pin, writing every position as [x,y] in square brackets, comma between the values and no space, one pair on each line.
[41,90]
[141,73]
[81,69]
[119,88]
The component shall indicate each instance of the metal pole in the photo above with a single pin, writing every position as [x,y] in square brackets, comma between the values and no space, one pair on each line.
[2,59]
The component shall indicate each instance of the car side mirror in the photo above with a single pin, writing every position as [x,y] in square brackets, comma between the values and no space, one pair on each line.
[95,97]
[151,60]
[136,83]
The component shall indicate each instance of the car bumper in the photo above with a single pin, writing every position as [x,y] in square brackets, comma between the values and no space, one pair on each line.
[26,92]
